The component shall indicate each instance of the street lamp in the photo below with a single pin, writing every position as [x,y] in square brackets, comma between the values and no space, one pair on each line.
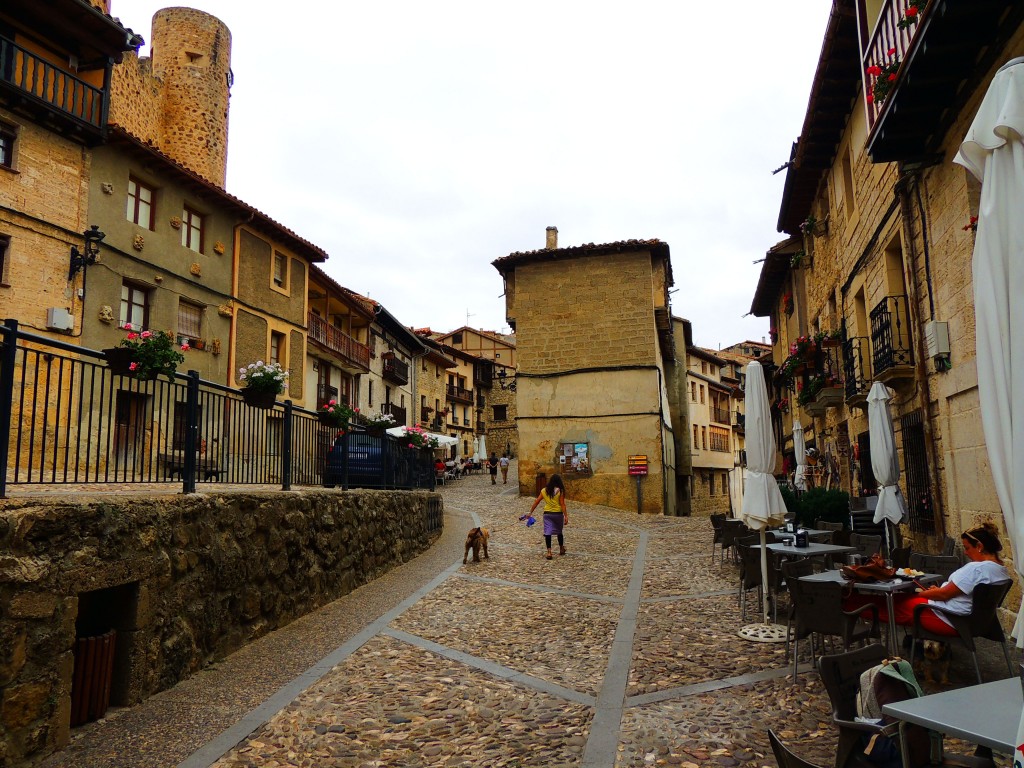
[86,257]
[503,380]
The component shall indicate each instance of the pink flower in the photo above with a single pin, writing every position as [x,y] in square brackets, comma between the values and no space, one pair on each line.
[146,334]
[184,347]
[127,326]
[132,336]
[331,402]
[133,366]
[890,52]
[875,70]
[912,11]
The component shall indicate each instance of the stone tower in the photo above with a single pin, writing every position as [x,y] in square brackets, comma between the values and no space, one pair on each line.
[191,53]
[177,98]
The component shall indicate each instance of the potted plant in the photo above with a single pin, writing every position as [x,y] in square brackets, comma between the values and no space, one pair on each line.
[335,414]
[416,437]
[797,260]
[787,303]
[379,422]
[885,76]
[814,227]
[912,15]
[145,355]
[262,383]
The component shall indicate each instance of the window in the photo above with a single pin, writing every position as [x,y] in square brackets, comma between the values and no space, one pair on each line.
[5,245]
[190,320]
[7,137]
[280,269]
[369,393]
[456,339]
[702,394]
[140,203]
[709,481]
[465,416]
[500,412]
[693,391]
[134,305]
[192,230]
[725,483]
[848,204]
[696,438]
[276,347]
[719,439]
[703,366]
[704,438]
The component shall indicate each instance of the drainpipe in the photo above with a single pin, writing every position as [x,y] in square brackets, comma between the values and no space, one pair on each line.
[236,239]
[913,305]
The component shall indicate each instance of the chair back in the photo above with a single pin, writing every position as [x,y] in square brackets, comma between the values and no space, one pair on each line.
[783,756]
[840,674]
[940,564]
[732,530]
[866,545]
[819,607]
[983,620]
[948,545]
[842,538]
[750,566]
[900,557]
[716,526]
[824,525]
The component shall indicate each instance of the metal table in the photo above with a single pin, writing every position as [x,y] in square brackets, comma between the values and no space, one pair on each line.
[887,588]
[813,549]
[812,534]
[986,714]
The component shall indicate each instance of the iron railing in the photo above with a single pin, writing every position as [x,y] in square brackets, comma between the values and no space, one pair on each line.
[856,366]
[460,394]
[66,419]
[396,370]
[720,415]
[397,411]
[890,334]
[916,475]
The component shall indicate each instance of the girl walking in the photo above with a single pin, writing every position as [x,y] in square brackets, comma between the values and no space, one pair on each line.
[556,516]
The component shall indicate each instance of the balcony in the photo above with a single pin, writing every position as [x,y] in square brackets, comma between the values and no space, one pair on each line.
[460,394]
[943,60]
[739,422]
[71,104]
[437,425]
[857,371]
[395,370]
[720,415]
[893,358]
[481,427]
[353,354]
[395,410]
[426,415]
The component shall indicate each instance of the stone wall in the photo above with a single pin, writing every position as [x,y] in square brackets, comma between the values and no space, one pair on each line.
[709,497]
[183,580]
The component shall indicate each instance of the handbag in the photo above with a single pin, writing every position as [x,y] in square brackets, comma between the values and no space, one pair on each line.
[873,570]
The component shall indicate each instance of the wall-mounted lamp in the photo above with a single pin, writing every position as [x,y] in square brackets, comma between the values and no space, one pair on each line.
[503,381]
[87,257]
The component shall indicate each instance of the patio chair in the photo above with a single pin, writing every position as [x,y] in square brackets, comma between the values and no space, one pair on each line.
[819,610]
[750,571]
[824,525]
[982,621]
[943,565]
[732,530]
[716,527]
[948,545]
[783,756]
[899,557]
[791,571]
[840,674]
[866,545]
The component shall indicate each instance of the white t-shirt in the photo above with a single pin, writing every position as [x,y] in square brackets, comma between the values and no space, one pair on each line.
[503,461]
[966,578]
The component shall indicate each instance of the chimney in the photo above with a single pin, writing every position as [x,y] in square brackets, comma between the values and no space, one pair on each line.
[552,238]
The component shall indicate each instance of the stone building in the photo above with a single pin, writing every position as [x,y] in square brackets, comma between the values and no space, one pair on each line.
[469,387]
[873,281]
[710,404]
[432,383]
[591,386]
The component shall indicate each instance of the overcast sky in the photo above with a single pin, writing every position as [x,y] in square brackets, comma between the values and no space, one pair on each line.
[416,142]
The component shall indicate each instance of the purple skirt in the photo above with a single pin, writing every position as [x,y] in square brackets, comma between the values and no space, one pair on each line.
[553,523]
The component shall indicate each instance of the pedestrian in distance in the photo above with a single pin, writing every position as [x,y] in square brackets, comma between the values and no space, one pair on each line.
[492,466]
[503,463]
[556,516]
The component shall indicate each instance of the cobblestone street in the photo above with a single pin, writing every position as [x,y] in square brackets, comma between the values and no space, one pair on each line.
[621,653]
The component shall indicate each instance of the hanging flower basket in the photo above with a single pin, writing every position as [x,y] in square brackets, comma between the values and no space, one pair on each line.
[145,355]
[256,398]
[119,360]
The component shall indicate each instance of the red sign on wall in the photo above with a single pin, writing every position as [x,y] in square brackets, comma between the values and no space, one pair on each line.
[637,465]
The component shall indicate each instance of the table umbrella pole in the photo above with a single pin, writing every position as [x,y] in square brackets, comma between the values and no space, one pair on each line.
[764,575]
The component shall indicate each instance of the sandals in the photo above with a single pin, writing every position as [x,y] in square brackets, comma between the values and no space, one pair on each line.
[561,550]
[547,556]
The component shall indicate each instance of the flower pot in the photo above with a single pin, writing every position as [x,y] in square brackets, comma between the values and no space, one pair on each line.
[829,343]
[330,420]
[374,431]
[119,361]
[259,398]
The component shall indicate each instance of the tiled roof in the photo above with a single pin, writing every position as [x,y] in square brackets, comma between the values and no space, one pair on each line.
[260,220]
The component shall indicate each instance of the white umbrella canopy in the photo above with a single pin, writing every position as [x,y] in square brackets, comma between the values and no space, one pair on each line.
[993,151]
[476,449]
[884,461]
[442,440]
[762,500]
[483,448]
[800,453]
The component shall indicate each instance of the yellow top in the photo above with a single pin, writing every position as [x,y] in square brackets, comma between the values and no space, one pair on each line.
[552,505]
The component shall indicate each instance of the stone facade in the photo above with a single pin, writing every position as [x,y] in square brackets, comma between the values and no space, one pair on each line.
[184,581]
[591,370]
[178,98]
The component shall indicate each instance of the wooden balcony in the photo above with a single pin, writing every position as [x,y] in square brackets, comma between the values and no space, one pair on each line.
[32,84]
[353,354]
[460,394]
[720,415]
[395,410]
[396,370]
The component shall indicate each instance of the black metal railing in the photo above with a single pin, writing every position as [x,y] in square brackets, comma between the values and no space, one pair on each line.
[396,370]
[45,83]
[66,419]
[890,334]
[916,475]
[460,394]
[856,366]
[397,411]
[720,415]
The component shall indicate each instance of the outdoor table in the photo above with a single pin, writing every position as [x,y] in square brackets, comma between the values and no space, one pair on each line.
[986,714]
[813,549]
[887,588]
[812,534]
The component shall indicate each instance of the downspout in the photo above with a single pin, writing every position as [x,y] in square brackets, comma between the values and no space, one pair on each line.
[236,230]
[909,280]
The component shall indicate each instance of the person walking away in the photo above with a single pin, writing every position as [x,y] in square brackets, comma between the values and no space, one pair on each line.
[492,465]
[556,517]
[503,463]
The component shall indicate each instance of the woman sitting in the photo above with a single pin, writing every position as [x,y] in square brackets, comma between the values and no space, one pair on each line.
[982,547]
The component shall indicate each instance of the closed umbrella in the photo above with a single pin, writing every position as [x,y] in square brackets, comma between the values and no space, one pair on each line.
[885,464]
[476,449]
[762,501]
[800,452]
[993,151]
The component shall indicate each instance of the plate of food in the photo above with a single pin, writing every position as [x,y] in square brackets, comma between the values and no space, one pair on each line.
[907,574]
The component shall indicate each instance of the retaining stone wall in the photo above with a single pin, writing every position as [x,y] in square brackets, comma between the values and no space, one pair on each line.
[190,579]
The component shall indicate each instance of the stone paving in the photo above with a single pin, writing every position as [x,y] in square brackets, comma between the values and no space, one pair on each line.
[623,653]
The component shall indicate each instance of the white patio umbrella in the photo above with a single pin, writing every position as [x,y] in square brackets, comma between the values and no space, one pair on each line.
[476,449]
[762,501]
[800,452]
[993,151]
[885,464]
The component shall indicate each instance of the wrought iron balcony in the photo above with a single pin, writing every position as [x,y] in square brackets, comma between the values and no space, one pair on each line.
[739,421]
[460,394]
[75,106]
[893,357]
[857,370]
[395,410]
[396,370]
[334,340]
[720,415]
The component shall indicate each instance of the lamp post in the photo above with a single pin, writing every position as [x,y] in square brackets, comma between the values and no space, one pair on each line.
[502,378]
[87,256]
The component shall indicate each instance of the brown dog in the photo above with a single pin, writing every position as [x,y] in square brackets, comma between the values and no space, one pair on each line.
[937,656]
[476,540]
